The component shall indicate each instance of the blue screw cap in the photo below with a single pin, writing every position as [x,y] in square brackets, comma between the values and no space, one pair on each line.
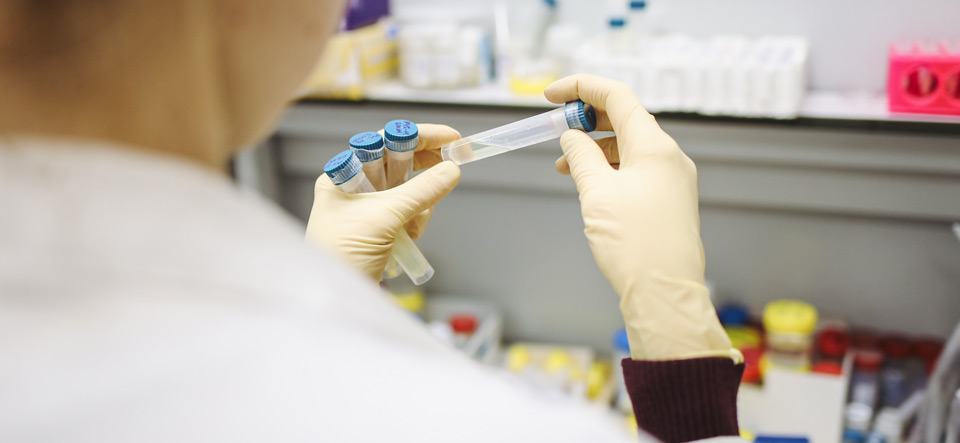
[617,22]
[580,116]
[620,341]
[401,135]
[638,4]
[368,146]
[342,167]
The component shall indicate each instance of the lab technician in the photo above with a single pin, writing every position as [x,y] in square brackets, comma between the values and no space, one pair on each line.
[143,297]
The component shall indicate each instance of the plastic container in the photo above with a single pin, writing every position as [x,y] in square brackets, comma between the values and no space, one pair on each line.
[520,134]
[924,78]
[865,381]
[368,147]
[401,138]
[463,326]
[346,171]
[894,378]
[789,328]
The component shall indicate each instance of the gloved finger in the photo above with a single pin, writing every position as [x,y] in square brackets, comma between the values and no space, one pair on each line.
[416,226]
[638,131]
[610,150]
[323,184]
[423,191]
[432,137]
[585,158]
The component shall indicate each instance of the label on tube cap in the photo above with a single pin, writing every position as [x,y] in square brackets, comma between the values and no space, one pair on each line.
[367,145]
[342,167]
[401,135]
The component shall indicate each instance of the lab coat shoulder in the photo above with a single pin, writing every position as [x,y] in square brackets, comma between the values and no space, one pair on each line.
[146,300]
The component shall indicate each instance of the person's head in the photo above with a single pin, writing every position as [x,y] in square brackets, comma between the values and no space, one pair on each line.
[199,78]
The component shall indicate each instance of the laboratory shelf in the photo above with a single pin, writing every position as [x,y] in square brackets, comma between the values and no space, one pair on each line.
[820,108]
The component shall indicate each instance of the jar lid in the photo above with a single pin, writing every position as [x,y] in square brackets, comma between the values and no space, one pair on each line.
[463,323]
[896,346]
[833,341]
[789,316]
[868,360]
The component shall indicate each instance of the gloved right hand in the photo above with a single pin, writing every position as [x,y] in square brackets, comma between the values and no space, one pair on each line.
[638,195]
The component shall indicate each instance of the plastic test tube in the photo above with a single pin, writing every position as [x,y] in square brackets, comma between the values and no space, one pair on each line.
[346,171]
[368,147]
[529,131]
[401,138]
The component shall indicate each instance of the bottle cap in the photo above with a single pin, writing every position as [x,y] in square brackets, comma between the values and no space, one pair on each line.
[518,357]
[617,22]
[638,4]
[828,367]
[401,135]
[463,323]
[368,146]
[868,360]
[789,316]
[833,341]
[580,116]
[620,341]
[342,167]
[733,314]
[928,350]
[896,346]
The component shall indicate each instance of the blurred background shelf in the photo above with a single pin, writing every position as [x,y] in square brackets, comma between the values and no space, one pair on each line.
[828,107]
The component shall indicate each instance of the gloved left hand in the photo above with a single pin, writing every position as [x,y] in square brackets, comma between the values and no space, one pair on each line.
[360,228]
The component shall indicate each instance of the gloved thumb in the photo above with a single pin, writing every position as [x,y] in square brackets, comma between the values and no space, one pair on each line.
[584,156]
[423,191]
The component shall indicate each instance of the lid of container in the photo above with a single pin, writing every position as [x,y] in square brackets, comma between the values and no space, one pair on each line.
[617,22]
[557,360]
[518,357]
[342,167]
[733,314]
[401,135]
[831,367]
[620,342]
[852,436]
[896,346]
[928,350]
[463,323]
[868,360]
[789,316]
[833,341]
[636,5]
[862,338]
[368,146]
[580,116]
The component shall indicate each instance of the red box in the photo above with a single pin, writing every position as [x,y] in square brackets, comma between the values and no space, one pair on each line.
[924,79]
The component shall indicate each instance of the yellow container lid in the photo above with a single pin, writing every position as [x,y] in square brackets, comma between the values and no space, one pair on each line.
[518,357]
[790,316]
[411,301]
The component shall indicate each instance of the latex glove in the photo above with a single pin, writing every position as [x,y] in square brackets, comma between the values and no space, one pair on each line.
[360,228]
[638,196]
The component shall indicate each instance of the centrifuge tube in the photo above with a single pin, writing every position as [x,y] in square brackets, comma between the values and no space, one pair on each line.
[368,147]
[346,171]
[401,138]
[520,134]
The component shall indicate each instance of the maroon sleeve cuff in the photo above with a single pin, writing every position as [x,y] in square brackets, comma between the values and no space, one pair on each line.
[684,400]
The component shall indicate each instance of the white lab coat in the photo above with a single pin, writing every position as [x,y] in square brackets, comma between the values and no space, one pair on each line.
[145,299]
